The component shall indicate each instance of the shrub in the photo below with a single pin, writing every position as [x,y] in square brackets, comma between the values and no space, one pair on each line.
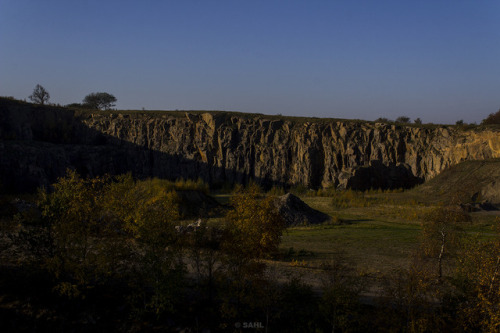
[383,120]
[299,189]
[76,105]
[403,120]
[350,198]
[276,191]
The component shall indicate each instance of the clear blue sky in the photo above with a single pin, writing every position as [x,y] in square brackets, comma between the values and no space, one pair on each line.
[437,60]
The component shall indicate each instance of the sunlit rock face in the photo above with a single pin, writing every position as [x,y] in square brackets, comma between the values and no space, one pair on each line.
[38,144]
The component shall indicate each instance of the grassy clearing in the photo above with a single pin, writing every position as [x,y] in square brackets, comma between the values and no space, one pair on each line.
[373,235]
[373,245]
[377,230]
[378,235]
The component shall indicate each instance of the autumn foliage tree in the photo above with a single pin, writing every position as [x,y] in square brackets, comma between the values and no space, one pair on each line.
[147,211]
[441,233]
[479,269]
[254,225]
[88,230]
[253,231]
[67,236]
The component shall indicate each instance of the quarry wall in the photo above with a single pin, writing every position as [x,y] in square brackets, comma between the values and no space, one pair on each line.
[38,143]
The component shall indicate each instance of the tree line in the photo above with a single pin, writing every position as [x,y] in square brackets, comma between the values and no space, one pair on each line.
[98,100]
[105,101]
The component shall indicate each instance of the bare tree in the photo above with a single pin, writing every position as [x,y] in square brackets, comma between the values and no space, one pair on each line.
[40,95]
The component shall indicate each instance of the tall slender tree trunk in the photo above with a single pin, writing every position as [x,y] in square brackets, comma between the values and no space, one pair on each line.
[441,254]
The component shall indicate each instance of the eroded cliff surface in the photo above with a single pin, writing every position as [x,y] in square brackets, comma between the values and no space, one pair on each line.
[39,143]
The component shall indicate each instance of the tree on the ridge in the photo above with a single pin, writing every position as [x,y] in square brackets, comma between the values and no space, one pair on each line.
[493,118]
[99,100]
[403,119]
[40,95]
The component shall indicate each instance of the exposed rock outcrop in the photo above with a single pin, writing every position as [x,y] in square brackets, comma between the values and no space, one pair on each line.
[38,143]
[491,192]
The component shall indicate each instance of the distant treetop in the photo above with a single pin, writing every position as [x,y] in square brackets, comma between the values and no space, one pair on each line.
[99,100]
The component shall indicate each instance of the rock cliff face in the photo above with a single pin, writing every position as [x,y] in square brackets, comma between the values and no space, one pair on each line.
[38,143]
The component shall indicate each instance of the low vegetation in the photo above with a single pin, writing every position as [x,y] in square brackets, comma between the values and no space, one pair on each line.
[118,235]
[110,251]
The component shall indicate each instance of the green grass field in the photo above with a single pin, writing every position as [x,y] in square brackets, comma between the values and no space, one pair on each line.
[377,238]
[378,233]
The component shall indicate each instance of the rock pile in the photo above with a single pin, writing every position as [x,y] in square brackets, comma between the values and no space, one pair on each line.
[296,212]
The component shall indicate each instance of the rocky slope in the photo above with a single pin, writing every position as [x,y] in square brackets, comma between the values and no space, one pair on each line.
[470,181]
[38,143]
